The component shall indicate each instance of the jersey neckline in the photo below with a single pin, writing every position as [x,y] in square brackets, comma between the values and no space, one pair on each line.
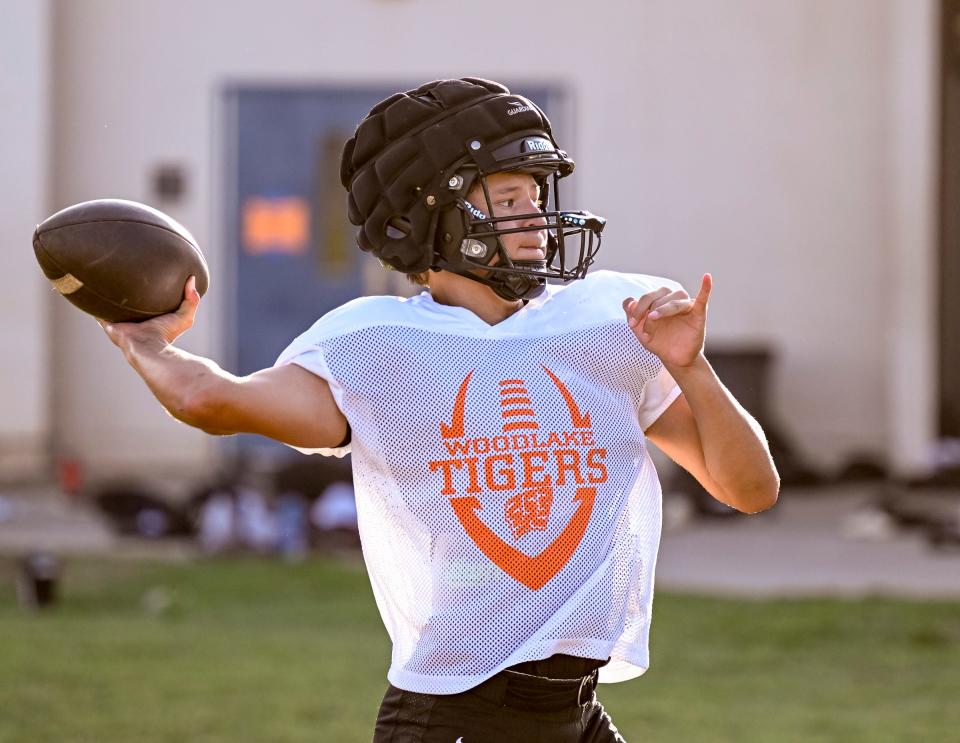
[425,299]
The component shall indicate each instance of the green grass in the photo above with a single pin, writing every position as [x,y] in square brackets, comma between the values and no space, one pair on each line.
[250,650]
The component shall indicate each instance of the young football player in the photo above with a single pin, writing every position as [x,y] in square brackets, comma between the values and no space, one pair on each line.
[508,508]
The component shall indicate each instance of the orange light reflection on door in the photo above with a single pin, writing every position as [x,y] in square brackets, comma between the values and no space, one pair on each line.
[275,225]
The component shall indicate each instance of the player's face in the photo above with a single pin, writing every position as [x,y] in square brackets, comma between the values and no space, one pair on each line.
[519,194]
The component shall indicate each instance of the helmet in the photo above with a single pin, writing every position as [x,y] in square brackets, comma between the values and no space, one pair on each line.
[413,160]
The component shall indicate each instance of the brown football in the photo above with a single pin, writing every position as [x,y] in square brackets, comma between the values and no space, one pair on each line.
[119,260]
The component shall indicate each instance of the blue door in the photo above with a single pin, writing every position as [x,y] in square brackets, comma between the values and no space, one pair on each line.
[291,248]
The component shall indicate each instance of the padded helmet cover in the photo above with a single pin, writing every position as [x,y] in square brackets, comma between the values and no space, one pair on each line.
[397,166]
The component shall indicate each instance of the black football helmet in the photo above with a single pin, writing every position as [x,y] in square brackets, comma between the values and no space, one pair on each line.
[413,160]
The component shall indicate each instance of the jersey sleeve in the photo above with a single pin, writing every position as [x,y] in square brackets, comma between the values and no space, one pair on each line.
[660,389]
[658,394]
[307,352]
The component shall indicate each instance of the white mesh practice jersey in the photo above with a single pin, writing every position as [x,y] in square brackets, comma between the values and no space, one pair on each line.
[507,505]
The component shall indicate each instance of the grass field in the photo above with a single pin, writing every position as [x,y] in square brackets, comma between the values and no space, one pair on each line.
[250,650]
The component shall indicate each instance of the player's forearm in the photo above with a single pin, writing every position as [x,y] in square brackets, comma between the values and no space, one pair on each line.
[182,382]
[734,446]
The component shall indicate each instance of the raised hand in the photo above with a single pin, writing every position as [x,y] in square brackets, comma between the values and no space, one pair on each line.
[670,324]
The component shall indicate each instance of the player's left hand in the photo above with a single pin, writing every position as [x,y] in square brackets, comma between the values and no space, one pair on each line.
[670,324]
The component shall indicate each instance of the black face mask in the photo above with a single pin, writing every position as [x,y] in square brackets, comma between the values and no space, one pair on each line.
[573,239]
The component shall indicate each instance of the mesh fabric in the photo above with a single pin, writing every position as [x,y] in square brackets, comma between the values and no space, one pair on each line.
[508,507]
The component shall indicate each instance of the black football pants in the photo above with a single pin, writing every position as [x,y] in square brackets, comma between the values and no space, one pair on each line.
[511,707]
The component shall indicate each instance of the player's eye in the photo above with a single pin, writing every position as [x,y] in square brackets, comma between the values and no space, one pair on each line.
[506,203]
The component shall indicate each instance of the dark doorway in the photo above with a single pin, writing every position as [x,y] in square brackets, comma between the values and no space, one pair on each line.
[949,261]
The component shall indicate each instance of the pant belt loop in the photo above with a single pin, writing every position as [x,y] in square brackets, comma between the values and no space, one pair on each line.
[589,683]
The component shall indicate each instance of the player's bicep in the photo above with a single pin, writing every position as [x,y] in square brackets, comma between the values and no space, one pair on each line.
[675,433]
[286,403]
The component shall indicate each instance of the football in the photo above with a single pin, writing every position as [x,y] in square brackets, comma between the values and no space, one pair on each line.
[119,260]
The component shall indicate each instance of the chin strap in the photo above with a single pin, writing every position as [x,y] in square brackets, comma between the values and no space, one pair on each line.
[509,286]
[518,286]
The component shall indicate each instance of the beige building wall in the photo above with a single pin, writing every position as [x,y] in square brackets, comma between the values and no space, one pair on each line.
[24,340]
[910,283]
[767,141]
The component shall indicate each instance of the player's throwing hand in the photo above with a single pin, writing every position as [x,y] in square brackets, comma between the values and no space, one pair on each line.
[164,327]
[669,323]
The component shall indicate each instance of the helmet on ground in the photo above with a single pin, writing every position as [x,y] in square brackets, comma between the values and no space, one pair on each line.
[415,157]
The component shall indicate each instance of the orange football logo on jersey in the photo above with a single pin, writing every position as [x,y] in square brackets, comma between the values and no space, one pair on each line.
[530,464]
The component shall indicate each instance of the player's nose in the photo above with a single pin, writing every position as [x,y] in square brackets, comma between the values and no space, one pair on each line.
[536,219]
[533,208]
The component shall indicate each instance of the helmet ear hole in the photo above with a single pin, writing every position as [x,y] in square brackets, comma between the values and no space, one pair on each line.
[398,228]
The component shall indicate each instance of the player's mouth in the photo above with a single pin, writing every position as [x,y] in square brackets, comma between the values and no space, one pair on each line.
[529,253]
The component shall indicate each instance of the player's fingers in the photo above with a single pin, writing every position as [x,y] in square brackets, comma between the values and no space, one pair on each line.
[186,310]
[188,306]
[679,294]
[638,307]
[191,300]
[672,308]
[110,329]
[706,286]
[191,289]
[190,293]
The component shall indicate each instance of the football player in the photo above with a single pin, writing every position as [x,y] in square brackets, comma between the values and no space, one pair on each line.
[508,507]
